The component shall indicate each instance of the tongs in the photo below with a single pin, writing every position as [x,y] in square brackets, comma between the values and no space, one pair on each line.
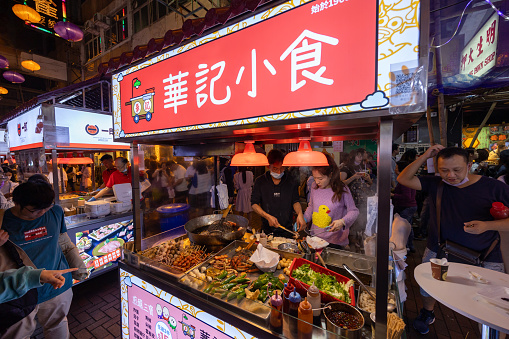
[295,234]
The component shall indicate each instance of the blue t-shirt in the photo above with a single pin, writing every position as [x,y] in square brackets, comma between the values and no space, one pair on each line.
[39,239]
[460,205]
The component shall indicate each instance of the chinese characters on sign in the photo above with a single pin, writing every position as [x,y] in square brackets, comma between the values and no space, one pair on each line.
[479,55]
[311,60]
[51,12]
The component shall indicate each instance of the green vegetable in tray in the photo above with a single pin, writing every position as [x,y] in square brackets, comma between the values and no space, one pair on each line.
[228,286]
[222,275]
[241,295]
[325,283]
[229,279]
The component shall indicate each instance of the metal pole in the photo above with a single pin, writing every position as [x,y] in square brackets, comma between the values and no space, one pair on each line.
[93,172]
[384,211]
[54,169]
[442,120]
[492,108]
[430,127]
[135,181]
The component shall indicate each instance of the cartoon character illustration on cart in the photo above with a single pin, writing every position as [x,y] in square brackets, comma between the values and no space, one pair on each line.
[142,106]
[159,311]
[166,314]
[189,330]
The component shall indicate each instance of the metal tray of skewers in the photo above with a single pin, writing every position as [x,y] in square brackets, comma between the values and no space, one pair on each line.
[174,257]
[231,280]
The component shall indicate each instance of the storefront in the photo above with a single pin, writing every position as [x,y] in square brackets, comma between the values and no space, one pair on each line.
[331,71]
[48,137]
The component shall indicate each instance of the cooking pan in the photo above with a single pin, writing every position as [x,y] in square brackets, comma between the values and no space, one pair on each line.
[215,242]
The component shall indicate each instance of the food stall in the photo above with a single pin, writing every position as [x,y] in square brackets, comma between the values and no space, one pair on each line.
[56,135]
[233,85]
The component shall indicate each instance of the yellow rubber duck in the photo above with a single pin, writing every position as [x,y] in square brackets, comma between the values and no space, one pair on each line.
[322,218]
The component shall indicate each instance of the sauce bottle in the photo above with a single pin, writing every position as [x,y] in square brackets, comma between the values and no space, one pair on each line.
[276,317]
[305,319]
[294,301]
[315,300]
[263,239]
[286,295]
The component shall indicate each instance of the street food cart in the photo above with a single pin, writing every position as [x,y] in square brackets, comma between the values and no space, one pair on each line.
[69,136]
[322,71]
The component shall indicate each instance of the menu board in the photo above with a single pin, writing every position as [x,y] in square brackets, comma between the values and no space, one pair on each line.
[101,247]
[149,312]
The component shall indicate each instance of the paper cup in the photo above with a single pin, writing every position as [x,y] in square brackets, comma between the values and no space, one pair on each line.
[438,269]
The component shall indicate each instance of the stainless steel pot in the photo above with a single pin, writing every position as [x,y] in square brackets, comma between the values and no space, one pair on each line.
[344,333]
[212,242]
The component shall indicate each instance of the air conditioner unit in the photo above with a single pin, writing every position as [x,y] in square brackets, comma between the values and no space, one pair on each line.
[101,21]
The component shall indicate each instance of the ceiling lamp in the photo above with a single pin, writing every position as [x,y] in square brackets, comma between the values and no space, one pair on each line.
[305,156]
[4,63]
[3,90]
[31,65]
[26,13]
[14,77]
[68,31]
[249,157]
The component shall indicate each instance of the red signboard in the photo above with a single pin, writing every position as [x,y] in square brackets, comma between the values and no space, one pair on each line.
[320,54]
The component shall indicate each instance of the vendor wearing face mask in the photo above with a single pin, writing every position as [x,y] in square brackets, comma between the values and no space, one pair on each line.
[465,217]
[275,197]
[121,176]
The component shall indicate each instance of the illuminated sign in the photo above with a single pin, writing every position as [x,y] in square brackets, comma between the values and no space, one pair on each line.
[315,58]
[51,12]
[24,132]
[480,54]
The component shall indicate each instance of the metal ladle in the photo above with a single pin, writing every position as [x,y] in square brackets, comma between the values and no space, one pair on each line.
[390,306]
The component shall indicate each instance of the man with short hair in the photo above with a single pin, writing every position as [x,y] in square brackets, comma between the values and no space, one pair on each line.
[276,196]
[465,217]
[37,226]
[180,184]
[107,161]
[121,176]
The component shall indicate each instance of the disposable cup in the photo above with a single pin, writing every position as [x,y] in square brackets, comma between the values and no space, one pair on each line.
[439,269]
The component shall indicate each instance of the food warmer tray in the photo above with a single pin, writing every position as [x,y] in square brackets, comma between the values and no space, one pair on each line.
[143,263]
[240,307]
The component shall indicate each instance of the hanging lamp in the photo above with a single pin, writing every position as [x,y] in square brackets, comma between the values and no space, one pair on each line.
[3,90]
[14,77]
[249,157]
[26,13]
[4,63]
[68,31]
[30,65]
[305,156]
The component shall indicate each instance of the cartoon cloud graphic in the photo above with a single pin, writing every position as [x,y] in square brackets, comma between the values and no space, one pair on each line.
[121,134]
[127,281]
[120,77]
[377,99]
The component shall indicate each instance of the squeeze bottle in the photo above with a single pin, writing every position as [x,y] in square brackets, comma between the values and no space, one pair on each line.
[315,300]
[276,317]
[294,301]
[305,319]
[286,295]
[263,239]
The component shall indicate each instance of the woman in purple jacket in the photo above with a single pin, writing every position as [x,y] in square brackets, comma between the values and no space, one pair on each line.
[405,204]
[331,209]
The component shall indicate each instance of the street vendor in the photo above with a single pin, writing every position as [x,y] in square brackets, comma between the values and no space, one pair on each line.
[107,161]
[275,197]
[331,209]
[121,176]
[465,217]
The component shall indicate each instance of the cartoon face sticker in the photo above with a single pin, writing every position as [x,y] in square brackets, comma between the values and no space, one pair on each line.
[159,311]
[173,323]
[166,314]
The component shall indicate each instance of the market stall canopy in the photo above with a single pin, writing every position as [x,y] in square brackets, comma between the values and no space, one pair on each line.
[73,161]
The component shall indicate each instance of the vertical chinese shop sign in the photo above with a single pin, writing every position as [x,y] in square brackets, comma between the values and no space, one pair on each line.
[309,57]
[51,12]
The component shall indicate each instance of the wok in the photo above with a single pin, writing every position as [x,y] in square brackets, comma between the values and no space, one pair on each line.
[211,241]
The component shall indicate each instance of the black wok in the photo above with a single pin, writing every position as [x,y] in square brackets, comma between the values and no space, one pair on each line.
[215,242]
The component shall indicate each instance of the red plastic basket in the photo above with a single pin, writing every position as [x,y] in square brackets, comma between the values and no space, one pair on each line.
[302,287]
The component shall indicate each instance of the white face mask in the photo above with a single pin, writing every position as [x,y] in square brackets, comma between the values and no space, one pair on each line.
[277,175]
[458,184]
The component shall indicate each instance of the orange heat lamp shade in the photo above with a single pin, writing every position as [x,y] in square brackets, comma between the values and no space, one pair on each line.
[73,161]
[249,157]
[305,156]
[31,65]
[3,90]
[26,13]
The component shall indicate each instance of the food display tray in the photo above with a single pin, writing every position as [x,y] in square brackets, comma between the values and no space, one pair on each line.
[302,287]
[245,305]
[92,235]
[141,262]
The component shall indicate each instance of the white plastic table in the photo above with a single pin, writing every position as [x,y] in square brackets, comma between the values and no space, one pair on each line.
[459,293]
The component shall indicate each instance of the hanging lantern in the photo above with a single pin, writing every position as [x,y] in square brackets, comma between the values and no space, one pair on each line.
[3,90]
[305,156]
[26,13]
[31,65]
[249,157]
[14,77]
[4,63]
[68,31]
